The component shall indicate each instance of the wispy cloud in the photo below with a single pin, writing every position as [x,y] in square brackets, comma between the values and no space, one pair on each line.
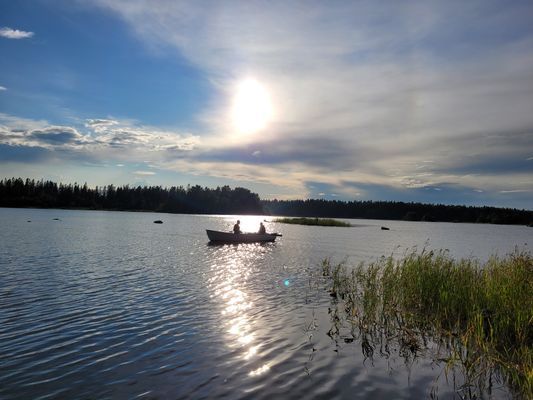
[516,191]
[97,138]
[56,135]
[144,173]
[369,98]
[2,88]
[362,91]
[9,33]
[47,137]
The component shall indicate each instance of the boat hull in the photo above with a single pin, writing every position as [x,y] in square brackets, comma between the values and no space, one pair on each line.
[229,237]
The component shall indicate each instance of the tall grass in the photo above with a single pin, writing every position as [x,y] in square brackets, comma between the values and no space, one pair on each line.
[312,221]
[482,315]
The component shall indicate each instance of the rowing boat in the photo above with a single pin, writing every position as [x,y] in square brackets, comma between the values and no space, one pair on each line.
[230,237]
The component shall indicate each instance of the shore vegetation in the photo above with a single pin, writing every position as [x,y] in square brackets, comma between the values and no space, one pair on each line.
[313,221]
[472,316]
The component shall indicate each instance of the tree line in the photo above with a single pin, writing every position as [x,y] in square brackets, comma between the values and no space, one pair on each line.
[397,210]
[17,192]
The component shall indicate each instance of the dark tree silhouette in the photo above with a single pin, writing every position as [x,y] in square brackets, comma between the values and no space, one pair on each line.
[396,211]
[16,192]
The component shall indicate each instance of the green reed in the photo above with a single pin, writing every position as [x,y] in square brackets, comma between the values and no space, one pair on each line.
[312,221]
[480,316]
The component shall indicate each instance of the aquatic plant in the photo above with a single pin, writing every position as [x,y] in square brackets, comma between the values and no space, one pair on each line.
[477,318]
[312,221]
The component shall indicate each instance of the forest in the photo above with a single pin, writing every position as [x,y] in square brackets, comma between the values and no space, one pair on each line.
[17,192]
[397,210]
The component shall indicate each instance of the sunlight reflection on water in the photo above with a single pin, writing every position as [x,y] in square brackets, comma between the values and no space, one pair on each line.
[228,283]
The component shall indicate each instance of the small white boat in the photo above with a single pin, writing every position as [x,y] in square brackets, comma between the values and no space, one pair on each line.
[230,237]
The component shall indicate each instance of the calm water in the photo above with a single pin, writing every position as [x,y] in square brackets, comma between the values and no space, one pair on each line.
[111,305]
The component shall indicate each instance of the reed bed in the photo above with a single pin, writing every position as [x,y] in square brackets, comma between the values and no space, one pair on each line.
[312,221]
[479,317]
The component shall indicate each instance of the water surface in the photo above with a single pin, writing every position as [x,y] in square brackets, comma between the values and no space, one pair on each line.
[110,305]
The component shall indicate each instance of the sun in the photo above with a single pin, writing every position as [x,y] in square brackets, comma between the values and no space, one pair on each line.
[252,107]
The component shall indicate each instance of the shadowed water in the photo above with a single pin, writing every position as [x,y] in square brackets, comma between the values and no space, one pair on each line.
[111,305]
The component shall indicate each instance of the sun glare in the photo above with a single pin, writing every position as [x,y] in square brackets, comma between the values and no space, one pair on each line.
[252,107]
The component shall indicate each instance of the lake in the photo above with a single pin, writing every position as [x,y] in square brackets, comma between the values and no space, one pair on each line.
[98,304]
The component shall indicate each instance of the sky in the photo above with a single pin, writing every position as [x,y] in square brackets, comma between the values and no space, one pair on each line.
[425,101]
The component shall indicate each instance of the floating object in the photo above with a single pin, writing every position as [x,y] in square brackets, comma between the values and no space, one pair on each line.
[384,228]
[158,221]
[230,237]
[57,219]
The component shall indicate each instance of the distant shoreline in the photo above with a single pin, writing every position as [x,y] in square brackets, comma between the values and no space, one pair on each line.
[250,214]
[20,193]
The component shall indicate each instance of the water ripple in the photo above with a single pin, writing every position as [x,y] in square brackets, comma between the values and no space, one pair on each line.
[108,305]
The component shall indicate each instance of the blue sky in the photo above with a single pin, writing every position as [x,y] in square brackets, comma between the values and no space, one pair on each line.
[351,100]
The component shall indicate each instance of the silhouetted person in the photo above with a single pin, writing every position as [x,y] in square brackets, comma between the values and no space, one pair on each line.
[237,227]
[262,229]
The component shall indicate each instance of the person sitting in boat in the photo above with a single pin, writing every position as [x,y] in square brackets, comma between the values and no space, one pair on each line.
[262,229]
[237,227]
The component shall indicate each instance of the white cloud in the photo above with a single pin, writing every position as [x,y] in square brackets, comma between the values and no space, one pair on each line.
[128,142]
[9,33]
[100,125]
[99,139]
[364,92]
[392,84]
[516,191]
[2,88]
[30,133]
